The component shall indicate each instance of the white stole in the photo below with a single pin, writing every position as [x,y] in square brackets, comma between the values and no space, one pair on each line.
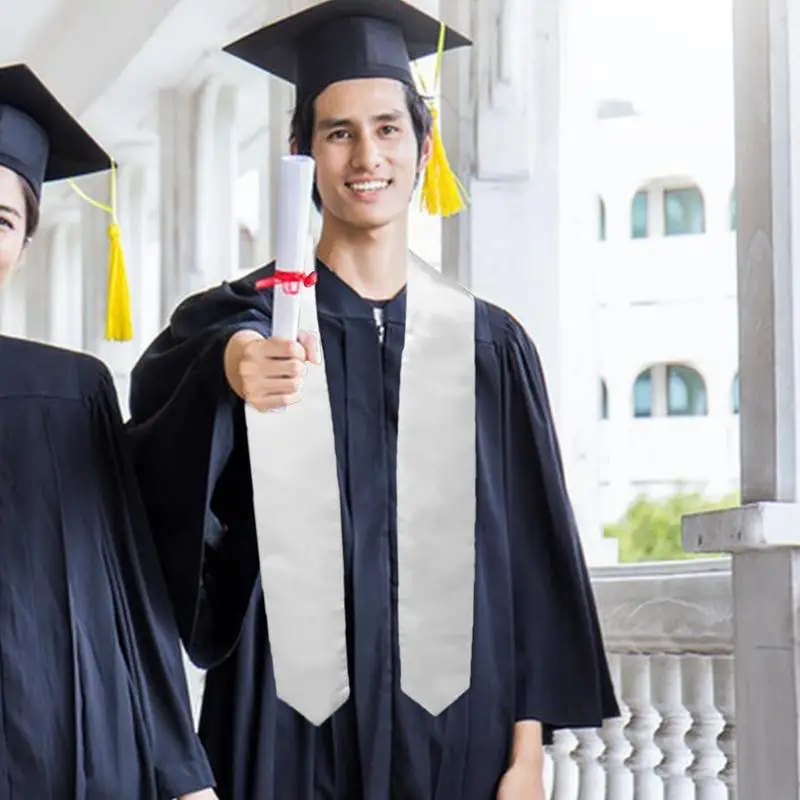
[298,518]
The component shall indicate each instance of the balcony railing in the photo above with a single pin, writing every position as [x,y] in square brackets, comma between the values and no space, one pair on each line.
[668,631]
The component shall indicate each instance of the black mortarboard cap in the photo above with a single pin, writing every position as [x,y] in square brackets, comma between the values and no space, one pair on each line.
[39,139]
[340,40]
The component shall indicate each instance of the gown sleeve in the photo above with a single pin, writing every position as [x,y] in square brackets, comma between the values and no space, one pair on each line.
[562,673]
[187,430]
[150,638]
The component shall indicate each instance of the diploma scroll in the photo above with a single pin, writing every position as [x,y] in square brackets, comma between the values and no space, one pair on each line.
[292,257]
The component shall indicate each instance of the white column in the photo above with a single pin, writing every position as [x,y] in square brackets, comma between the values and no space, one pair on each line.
[764,535]
[63,302]
[280,100]
[503,124]
[199,170]
[31,295]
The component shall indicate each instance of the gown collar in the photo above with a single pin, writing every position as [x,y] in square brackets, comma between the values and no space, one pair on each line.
[338,298]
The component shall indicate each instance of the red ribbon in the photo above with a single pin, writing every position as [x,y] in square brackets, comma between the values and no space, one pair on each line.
[291,281]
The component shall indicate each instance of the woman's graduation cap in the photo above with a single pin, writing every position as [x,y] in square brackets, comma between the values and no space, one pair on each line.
[339,40]
[42,142]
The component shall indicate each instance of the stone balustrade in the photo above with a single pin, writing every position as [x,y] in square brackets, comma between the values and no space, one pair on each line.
[668,631]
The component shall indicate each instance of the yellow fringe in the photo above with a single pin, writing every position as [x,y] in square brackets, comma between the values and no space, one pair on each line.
[119,322]
[119,319]
[442,193]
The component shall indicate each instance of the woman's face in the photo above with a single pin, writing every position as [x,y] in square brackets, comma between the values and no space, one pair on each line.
[12,222]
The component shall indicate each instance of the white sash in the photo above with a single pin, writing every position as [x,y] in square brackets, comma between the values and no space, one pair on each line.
[298,515]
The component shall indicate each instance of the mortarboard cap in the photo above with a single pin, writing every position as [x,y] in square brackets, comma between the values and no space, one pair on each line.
[343,40]
[39,139]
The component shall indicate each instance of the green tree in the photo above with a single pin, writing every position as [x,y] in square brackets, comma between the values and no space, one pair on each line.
[650,530]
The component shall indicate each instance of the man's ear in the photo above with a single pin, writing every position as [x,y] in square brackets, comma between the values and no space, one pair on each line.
[425,153]
[293,149]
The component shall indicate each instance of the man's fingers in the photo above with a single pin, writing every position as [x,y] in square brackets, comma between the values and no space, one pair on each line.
[272,402]
[283,348]
[311,346]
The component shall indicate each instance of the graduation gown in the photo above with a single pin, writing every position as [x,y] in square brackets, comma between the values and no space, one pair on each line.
[537,649]
[93,699]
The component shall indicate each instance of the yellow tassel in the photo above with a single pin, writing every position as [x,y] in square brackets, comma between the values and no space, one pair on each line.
[442,192]
[119,324]
[119,321]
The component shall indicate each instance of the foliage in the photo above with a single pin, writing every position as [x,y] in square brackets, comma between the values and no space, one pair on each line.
[650,530]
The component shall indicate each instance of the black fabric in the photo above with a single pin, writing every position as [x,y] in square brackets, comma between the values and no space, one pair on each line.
[93,700]
[342,40]
[39,139]
[537,651]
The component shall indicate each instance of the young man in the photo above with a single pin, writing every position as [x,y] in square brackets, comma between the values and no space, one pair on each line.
[423,618]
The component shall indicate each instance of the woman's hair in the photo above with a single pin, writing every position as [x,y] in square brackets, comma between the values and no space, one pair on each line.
[302,125]
[32,210]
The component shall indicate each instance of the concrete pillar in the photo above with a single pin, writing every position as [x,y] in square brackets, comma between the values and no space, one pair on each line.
[198,174]
[280,102]
[764,534]
[63,302]
[507,104]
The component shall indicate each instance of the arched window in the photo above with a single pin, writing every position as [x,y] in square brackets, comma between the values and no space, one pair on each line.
[639,215]
[643,394]
[686,392]
[735,394]
[601,219]
[684,211]
[603,400]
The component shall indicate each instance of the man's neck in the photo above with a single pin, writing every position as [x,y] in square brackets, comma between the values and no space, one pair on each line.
[373,263]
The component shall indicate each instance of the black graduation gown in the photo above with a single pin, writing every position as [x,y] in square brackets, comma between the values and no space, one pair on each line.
[93,700]
[538,652]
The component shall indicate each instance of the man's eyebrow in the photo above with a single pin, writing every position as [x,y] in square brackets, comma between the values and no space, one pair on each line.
[329,123]
[333,122]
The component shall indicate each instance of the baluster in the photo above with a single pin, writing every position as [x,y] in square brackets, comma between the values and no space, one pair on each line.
[707,724]
[639,731]
[724,698]
[591,777]
[666,689]
[619,780]
[565,773]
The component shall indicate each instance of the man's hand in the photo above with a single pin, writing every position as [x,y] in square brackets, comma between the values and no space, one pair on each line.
[268,373]
[522,781]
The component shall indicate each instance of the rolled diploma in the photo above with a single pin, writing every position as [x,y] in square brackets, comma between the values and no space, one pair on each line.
[294,220]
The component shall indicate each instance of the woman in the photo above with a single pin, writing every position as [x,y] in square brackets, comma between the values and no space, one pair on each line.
[93,699]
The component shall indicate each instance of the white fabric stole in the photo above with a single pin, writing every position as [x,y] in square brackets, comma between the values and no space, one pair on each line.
[298,517]
[299,531]
[436,507]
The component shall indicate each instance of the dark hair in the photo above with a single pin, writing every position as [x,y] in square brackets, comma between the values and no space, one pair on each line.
[302,125]
[31,208]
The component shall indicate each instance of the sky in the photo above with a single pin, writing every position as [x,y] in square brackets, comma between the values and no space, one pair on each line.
[666,57]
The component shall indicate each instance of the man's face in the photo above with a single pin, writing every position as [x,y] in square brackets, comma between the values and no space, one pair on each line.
[365,151]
